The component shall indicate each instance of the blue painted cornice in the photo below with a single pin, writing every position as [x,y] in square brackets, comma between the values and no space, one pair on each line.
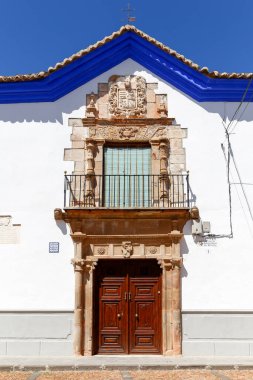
[170,68]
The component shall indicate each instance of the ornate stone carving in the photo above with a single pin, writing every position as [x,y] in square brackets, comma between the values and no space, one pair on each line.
[101,251]
[160,132]
[127,96]
[194,213]
[152,250]
[58,214]
[82,264]
[90,150]
[163,147]
[126,133]
[162,110]
[78,263]
[91,109]
[170,263]
[143,133]
[127,249]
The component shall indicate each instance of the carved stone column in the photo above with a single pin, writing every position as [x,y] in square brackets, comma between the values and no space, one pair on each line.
[176,307]
[89,195]
[171,306]
[78,263]
[163,148]
[90,149]
[164,178]
[88,306]
[167,307]
[176,298]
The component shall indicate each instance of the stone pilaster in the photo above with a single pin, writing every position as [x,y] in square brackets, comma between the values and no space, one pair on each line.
[88,307]
[163,148]
[78,264]
[171,306]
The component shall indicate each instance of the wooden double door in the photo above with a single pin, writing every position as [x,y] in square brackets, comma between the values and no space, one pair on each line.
[127,307]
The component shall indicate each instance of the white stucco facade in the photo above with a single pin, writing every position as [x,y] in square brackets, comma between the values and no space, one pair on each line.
[216,275]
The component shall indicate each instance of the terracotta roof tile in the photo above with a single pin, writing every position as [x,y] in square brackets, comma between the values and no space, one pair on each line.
[122,30]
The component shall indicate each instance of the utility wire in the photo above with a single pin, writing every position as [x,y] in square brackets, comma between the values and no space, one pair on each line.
[240,104]
[246,219]
[230,153]
[229,191]
[242,186]
[242,113]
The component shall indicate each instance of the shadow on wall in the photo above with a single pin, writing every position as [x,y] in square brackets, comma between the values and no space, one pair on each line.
[223,109]
[226,110]
[54,111]
[184,247]
[43,112]
[62,226]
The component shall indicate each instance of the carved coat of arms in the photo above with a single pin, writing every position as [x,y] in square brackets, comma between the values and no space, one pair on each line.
[127,96]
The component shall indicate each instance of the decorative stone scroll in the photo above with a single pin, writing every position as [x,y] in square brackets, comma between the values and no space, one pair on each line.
[127,96]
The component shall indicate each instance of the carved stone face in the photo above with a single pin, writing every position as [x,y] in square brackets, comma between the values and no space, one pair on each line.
[127,248]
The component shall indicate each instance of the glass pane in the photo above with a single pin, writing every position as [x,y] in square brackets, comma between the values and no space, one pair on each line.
[127,176]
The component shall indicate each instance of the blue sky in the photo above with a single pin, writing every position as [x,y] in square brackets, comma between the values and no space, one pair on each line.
[36,34]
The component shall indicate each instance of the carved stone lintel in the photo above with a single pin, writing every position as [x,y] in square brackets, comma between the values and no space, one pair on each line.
[127,249]
[126,133]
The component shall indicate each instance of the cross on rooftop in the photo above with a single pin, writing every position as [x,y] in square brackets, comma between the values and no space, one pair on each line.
[130,11]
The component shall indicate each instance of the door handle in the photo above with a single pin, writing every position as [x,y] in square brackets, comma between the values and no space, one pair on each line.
[136,316]
[119,315]
[125,296]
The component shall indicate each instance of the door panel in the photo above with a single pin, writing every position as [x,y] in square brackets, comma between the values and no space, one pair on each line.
[128,301]
[145,315]
[112,315]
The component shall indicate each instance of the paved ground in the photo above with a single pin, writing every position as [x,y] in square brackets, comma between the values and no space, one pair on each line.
[178,374]
[133,362]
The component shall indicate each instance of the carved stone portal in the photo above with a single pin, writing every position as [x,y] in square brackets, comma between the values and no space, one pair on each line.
[126,109]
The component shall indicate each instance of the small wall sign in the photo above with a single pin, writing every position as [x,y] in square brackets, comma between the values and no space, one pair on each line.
[54,247]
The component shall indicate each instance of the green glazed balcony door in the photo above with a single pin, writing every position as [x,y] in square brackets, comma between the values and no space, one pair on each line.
[127,177]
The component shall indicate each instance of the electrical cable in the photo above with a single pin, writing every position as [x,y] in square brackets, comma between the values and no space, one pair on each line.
[229,151]
[239,118]
[240,104]
[229,191]
[243,190]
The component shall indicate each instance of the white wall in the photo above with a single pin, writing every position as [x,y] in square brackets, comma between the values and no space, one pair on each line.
[32,141]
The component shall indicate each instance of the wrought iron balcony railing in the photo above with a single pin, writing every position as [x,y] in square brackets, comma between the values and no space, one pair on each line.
[126,191]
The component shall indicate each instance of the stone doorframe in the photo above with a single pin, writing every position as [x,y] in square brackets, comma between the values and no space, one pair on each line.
[171,291]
